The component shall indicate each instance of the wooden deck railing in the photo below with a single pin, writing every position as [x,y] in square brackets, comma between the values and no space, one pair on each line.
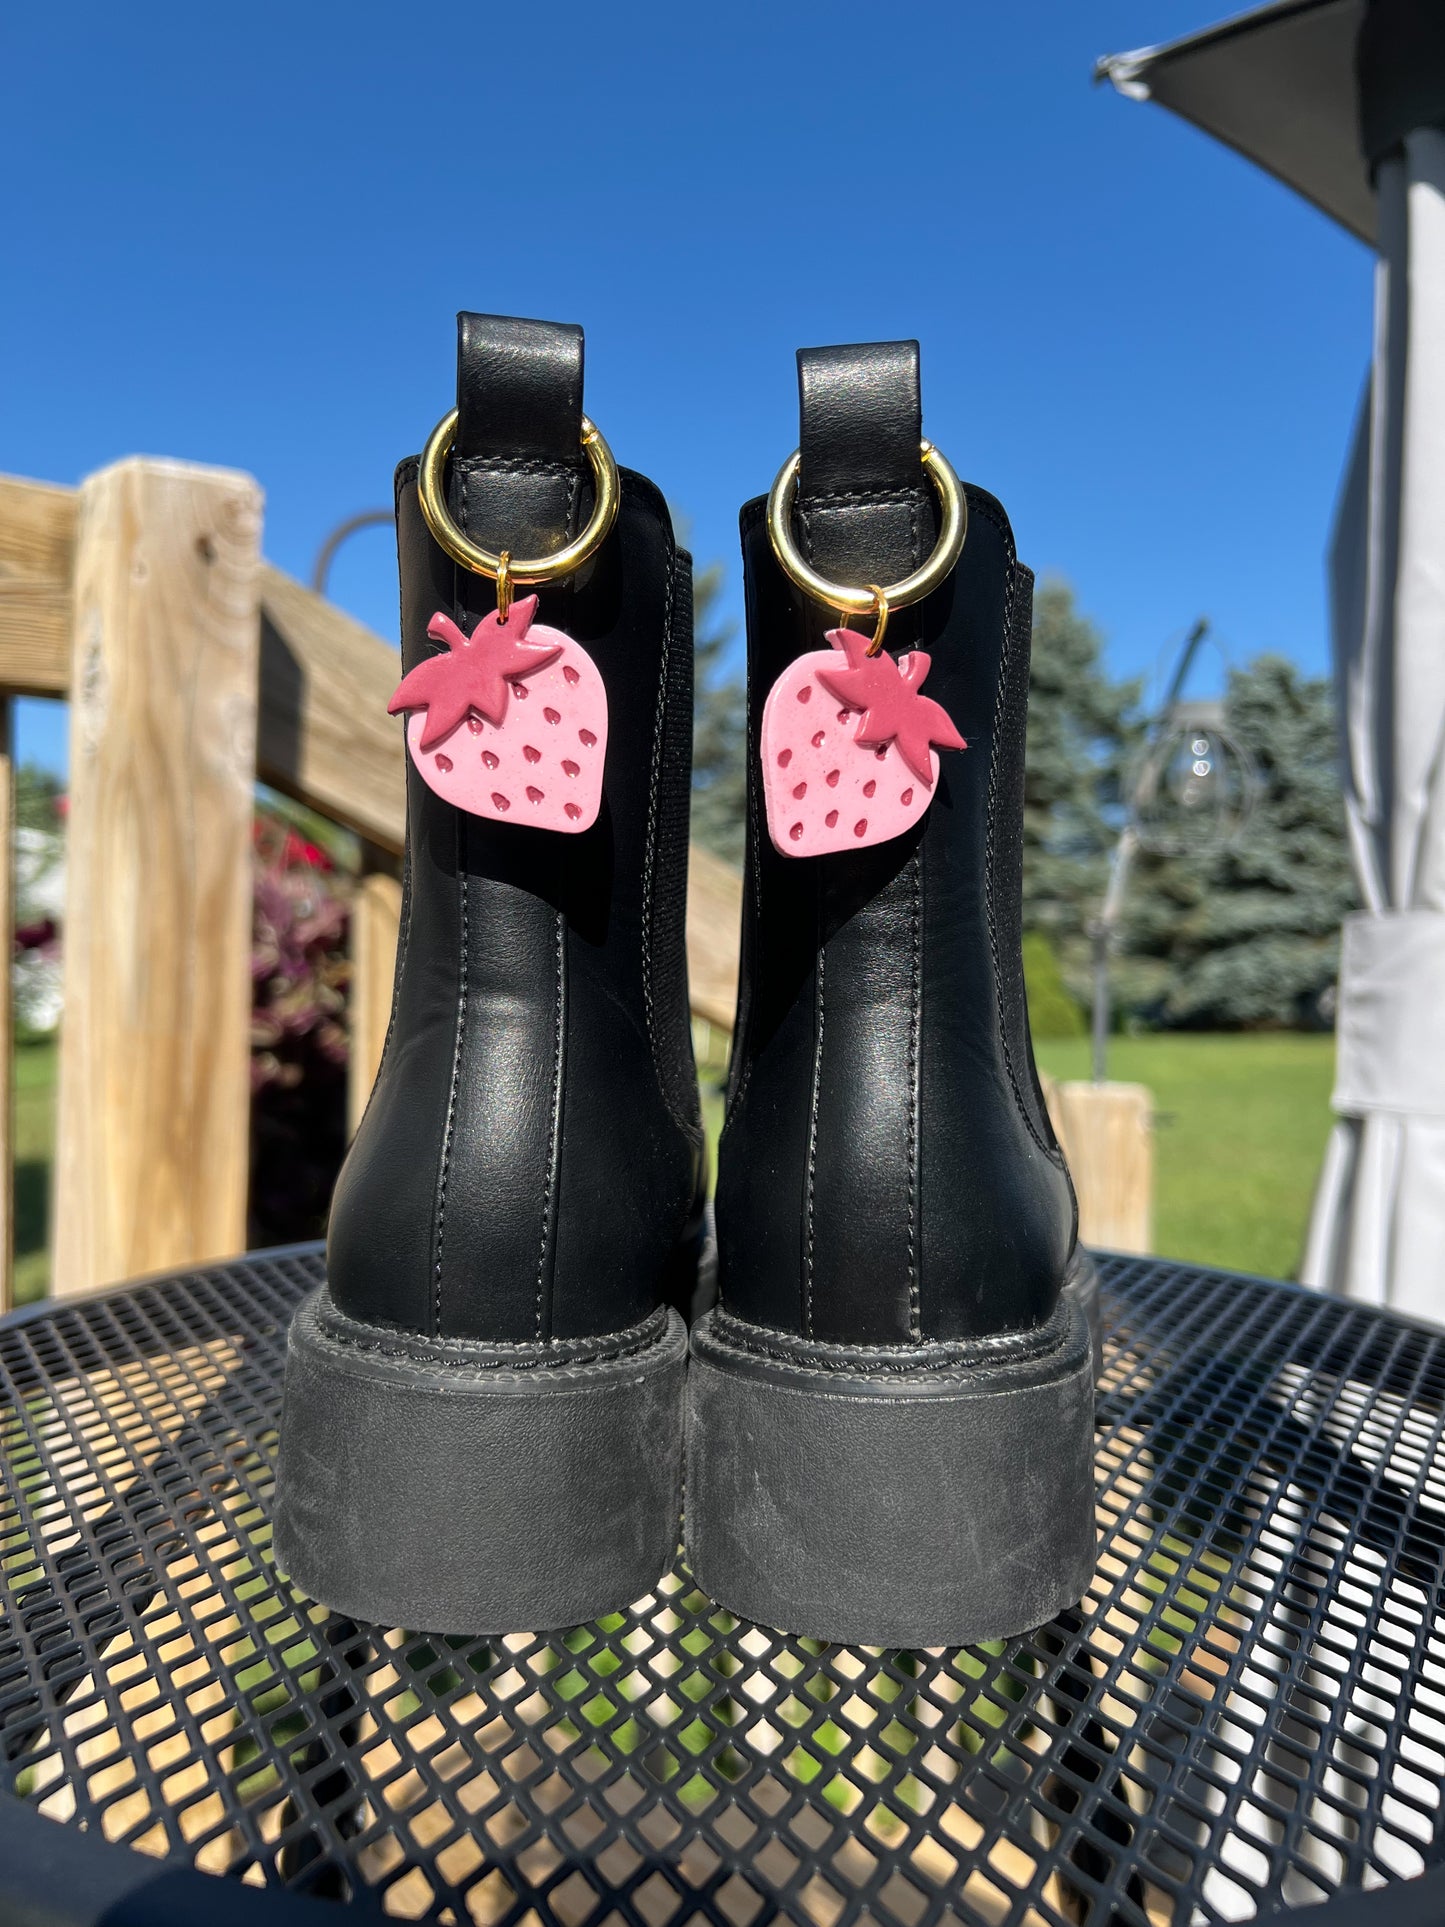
[193,668]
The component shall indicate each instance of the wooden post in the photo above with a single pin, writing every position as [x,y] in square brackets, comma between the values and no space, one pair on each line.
[375,927]
[1106,1133]
[153,1131]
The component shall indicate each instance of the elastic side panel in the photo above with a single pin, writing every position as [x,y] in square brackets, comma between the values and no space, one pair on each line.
[1006,855]
[671,803]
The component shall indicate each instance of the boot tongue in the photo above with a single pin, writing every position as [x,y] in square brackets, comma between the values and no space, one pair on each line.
[864,502]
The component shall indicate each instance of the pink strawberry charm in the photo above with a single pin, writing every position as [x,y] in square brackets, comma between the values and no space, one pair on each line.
[511,723]
[850,747]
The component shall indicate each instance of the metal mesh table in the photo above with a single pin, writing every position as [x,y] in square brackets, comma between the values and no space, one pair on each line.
[1247,1713]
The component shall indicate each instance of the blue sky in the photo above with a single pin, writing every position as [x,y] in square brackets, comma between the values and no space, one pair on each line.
[240,235]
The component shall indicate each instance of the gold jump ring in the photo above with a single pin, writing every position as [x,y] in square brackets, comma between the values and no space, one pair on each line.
[881,608]
[897,595]
[431,486]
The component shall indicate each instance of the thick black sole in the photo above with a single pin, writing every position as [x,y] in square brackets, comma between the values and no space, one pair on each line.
[452,1486]
[912,1496]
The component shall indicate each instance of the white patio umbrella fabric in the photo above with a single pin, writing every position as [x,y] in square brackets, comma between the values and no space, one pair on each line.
[1378,1229]
[1345,101]
[1278,86]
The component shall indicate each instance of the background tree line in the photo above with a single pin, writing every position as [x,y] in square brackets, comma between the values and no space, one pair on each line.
[1243,937]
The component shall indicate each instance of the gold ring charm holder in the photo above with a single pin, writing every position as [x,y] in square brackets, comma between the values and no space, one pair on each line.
[506,568]
[871,599]
[849,744]
[509,722]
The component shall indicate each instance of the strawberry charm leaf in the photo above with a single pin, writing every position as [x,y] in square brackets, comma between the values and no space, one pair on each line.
[888,694]
[475,674]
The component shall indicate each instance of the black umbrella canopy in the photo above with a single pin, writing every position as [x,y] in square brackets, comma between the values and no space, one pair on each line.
[1313,91]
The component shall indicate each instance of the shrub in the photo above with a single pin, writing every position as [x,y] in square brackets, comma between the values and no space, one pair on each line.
[300,972]
[1052,1011]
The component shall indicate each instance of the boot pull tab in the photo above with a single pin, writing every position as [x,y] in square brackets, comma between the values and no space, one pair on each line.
[849,743]
[519,390]
[860,422]
[508,721]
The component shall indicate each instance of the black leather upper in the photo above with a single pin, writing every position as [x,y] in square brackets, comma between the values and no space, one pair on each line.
[531,1154]
[887,1171]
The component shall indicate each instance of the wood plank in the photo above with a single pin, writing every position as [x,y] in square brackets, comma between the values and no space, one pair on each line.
[153,1128]
[1106,1131]
[375,929]
[37,545]
[324,736]
[714,933]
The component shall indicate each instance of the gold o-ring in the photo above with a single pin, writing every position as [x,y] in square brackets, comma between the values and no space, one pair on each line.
[431,486]
[896,595]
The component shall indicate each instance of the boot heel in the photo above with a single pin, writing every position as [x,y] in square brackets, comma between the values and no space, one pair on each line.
[1082,1282]
[456,1486]
[928,1495]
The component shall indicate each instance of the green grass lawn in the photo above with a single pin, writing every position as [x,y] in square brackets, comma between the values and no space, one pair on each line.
[1240,1127]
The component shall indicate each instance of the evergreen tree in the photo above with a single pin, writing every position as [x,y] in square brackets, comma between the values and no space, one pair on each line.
[1081,727]
[1249,935]
[719,743]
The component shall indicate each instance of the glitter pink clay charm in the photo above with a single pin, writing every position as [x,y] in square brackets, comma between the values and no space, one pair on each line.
[850,747]
[511,723]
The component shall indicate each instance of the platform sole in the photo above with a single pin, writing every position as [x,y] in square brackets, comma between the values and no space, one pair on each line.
[450,1486]
[909,1496]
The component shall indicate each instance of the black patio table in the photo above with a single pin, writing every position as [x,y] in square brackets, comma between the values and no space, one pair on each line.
[1246,1714]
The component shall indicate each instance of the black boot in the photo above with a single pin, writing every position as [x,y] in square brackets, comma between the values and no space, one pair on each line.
[482,1424]
[890,1413]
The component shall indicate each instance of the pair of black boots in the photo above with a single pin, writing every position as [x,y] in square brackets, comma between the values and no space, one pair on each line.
[888,1413]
